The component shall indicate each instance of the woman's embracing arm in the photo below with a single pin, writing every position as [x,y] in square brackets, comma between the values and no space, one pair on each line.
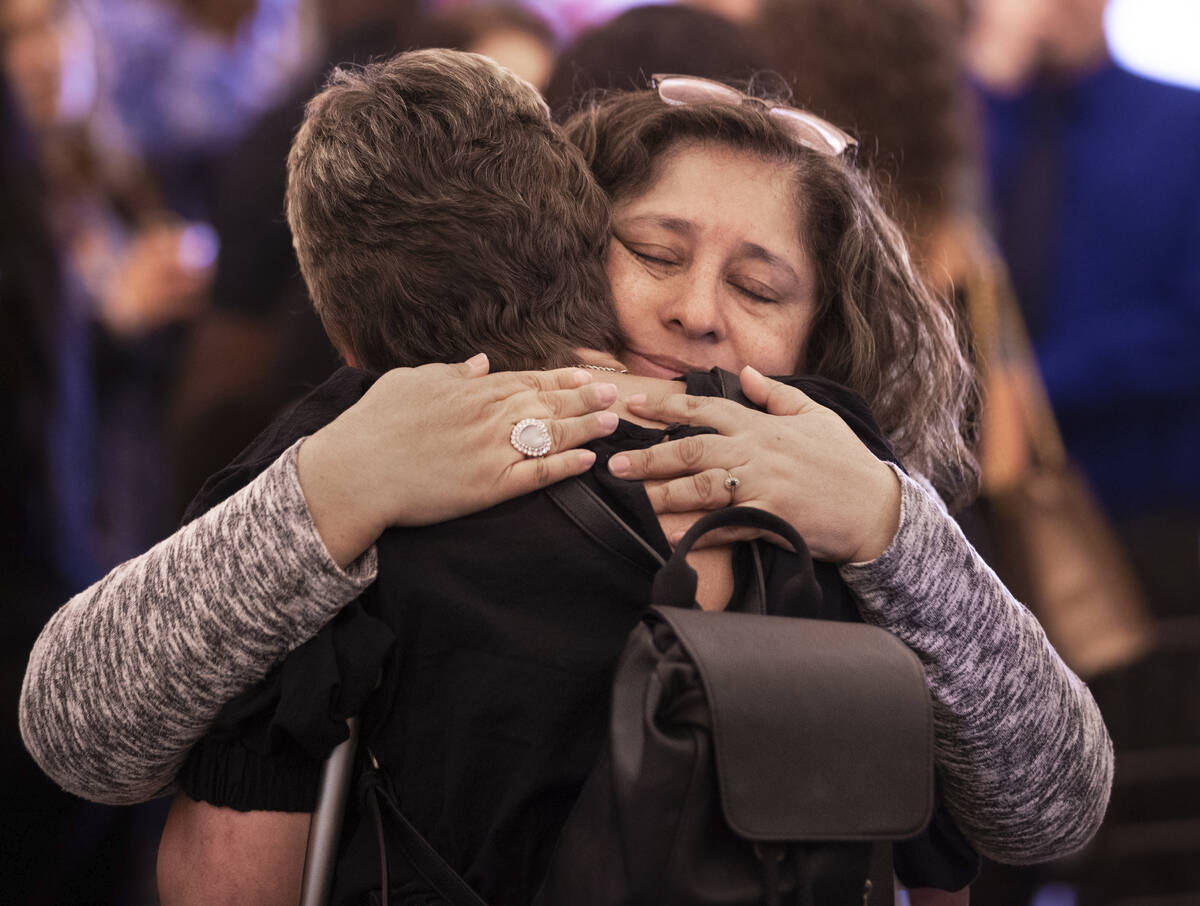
[1025,756]
[130,673]
[1024,752]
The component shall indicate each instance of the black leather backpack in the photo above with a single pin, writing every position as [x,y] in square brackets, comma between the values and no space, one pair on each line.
[751,759]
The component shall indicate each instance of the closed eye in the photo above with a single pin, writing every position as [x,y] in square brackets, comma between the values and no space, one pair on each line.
[751,294]
[650,258]
[646,257]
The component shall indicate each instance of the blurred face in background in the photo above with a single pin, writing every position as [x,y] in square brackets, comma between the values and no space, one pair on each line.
[32,54]
[47,52]
[1010,42]
[744,12]
[1074,39]
[520,52]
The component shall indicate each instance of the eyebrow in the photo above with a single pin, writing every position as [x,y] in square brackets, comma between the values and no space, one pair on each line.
[753,250]
[674,224]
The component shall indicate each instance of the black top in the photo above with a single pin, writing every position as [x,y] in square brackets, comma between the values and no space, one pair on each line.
[496,637]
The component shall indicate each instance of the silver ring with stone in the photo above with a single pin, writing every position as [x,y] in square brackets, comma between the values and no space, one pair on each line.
[731,482]
[531,437]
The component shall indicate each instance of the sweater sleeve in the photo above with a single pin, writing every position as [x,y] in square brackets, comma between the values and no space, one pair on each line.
[129,674]
[1025,756]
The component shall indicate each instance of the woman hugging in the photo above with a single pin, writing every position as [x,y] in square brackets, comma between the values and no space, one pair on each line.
[614,274]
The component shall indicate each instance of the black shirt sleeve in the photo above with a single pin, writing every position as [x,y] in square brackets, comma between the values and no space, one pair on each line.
[268,746]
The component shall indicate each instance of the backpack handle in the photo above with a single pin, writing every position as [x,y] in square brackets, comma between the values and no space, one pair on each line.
[675,583]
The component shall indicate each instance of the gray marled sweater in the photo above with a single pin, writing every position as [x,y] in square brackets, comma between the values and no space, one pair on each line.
[130,673]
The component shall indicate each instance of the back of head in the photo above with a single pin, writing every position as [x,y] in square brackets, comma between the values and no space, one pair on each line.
[623,53]
[878,328]
[437,213]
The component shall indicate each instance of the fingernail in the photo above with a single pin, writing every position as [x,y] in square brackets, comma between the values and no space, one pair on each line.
[753,370]
[478,362]
[637,398]
[674,538]
[585,459]
[619,464]
[581,377]
[606,394]
[608,420]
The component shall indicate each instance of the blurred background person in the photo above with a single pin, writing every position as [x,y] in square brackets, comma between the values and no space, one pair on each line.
[515,36]
[132,270]
[185,79]
[54,848]
[1096,187]
[260,346]
[100,278]
[626,51]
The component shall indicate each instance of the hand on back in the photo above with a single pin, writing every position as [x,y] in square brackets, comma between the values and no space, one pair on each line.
[429,444]
[798,460]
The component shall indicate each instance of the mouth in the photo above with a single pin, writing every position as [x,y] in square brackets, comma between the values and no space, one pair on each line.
[660,366]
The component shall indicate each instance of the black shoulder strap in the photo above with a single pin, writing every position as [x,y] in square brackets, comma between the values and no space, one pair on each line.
[601,523]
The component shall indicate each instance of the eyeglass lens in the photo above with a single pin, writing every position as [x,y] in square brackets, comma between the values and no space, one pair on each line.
[807,132]
[800,126]
[697,91]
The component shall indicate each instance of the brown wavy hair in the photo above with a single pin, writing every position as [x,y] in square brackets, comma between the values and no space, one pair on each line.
[879,330]
[437,212]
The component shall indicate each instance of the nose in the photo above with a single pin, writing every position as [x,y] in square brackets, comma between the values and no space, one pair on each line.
[695,310]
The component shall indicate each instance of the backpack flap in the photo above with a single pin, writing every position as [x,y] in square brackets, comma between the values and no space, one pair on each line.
[822,730]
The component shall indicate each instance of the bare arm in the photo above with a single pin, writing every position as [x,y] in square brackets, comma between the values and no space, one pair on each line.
[210,856]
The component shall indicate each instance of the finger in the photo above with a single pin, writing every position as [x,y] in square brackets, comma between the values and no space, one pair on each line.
[476,366]
[776,398]
[676,458]
[701,491]
[571,403]
[511,382]
[680,408]
[567,433]
[529,475]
